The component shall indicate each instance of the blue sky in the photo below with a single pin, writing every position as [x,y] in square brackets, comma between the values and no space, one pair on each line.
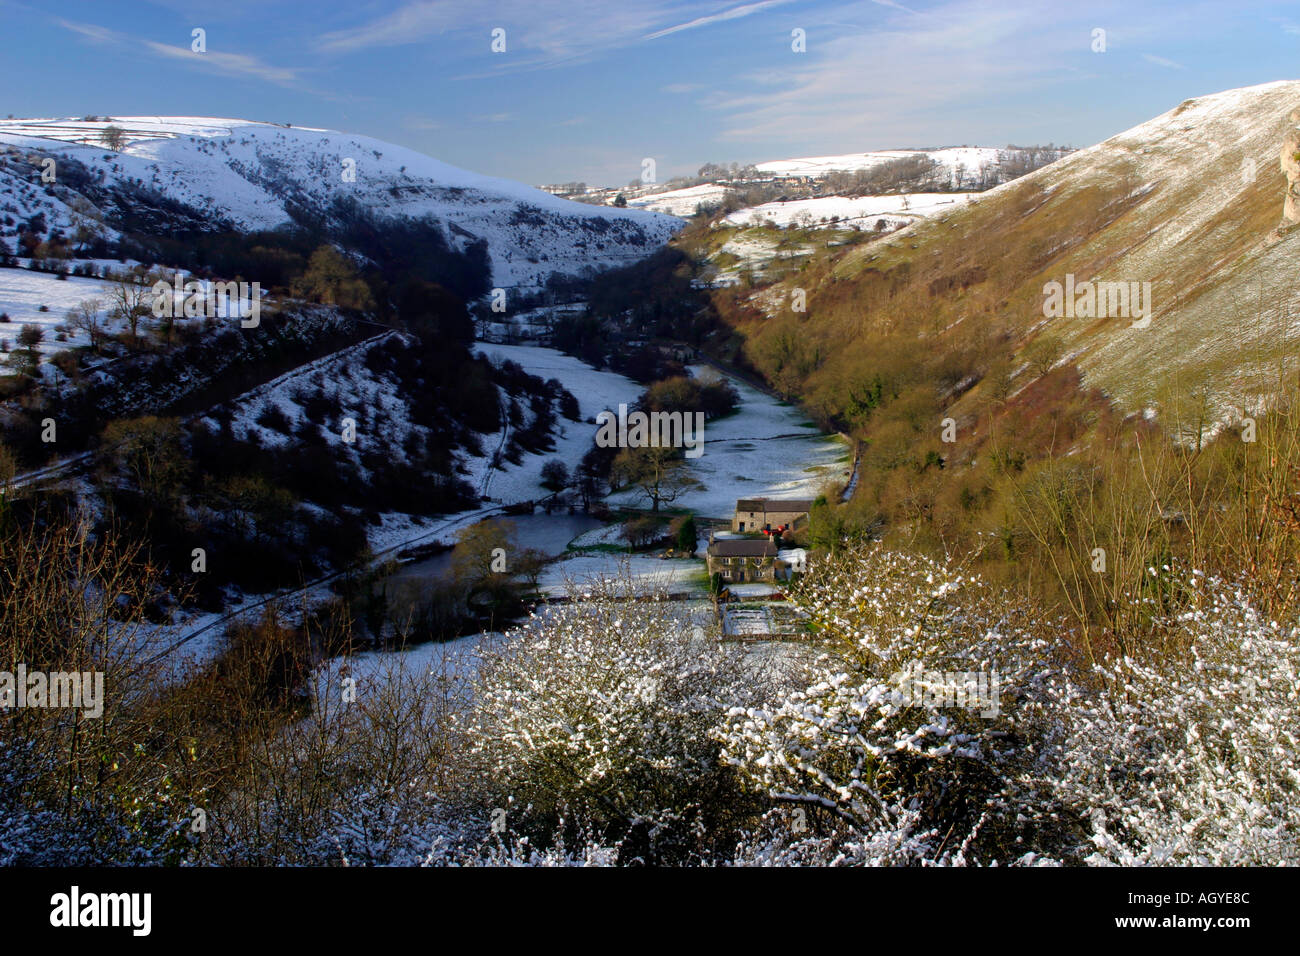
[586,90]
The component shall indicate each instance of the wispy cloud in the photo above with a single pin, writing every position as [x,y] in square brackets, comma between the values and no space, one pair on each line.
[408,24]
[538,33]
[882,78]
[1161,61]
[92,31]
[231,64]
[237,64]
[421,124]
[734,13]
[898,6]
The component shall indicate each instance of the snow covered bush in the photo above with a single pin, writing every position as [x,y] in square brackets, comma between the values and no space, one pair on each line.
[1192,757]
[594,726]
[870,771]
[1186,755]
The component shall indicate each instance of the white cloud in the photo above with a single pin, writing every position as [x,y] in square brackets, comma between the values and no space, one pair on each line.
[408,24]
[421,123]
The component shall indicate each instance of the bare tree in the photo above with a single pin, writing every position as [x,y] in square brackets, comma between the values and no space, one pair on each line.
[658,471]
[129,300]
[84,317]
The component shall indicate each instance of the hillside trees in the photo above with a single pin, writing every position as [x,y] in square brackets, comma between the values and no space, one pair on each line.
[150,453]
[688,395]
[331,279]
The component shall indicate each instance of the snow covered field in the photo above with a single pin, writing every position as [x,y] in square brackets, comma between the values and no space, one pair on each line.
[452,659]
[863,211]
[594,389]
[764,449]
[681,202]
[581,574]
[961,164]
[23,293]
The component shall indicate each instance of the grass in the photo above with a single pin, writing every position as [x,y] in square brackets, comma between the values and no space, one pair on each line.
[599,549]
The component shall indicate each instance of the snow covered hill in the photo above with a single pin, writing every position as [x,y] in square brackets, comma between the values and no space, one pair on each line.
[208,174]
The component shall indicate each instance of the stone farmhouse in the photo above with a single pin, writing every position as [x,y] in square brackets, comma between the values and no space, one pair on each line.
[749,560]
[771,514]
[742,560]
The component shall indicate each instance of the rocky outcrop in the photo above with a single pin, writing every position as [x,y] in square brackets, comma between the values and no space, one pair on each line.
[1291,167]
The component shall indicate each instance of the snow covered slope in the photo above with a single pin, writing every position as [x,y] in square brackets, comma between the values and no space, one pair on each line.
[681,202]
[236,174]
[845,211]
[1190,202]
[962,166]
[1208,195]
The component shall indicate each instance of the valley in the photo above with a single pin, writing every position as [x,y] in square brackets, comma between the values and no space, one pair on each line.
[951,558]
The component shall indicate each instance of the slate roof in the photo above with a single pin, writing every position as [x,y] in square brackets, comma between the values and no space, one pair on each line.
[742,548]
[774,504]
